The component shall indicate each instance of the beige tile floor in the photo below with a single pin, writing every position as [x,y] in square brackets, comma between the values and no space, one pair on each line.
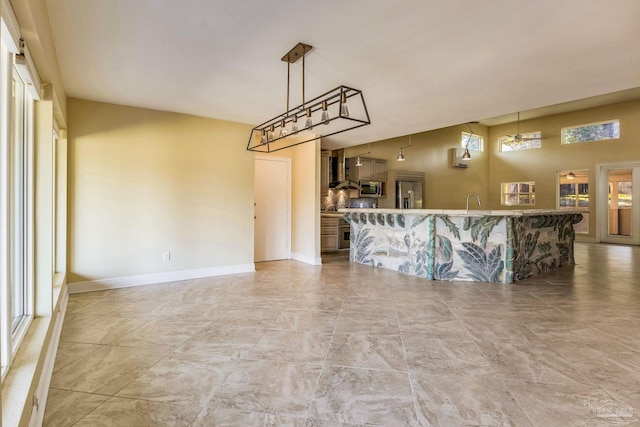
[345,344]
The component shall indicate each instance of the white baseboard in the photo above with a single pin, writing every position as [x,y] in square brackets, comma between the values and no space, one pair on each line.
[306,259]
[580,239]
[149,279]
[42,390]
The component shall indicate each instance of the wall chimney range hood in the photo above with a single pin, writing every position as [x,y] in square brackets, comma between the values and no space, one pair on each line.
[341,183]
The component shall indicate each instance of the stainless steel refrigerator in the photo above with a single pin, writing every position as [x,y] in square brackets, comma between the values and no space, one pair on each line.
[408,195]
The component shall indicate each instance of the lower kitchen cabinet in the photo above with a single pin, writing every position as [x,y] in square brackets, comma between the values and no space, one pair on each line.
[329,233]
[334,233]
[328,243]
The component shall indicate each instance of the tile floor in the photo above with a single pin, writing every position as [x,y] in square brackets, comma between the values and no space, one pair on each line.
[344,344]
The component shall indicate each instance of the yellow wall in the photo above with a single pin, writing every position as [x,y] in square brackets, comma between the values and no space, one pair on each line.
[542,165]
[142,182]
[445,187]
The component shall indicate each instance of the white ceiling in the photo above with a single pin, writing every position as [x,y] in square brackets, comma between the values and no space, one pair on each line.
[421,64]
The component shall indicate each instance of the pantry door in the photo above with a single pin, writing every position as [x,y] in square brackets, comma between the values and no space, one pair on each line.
[272,209]
[619,189]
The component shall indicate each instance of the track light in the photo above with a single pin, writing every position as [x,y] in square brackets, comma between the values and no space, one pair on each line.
[330,108]
[358,161]
[400,156]
[466,155]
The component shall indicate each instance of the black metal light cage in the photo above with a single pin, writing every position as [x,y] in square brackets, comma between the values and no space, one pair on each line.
[332,98]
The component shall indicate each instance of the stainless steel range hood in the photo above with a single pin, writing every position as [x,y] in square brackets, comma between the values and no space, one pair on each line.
[342,183]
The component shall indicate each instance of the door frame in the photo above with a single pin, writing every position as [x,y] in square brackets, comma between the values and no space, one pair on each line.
[602,225]
[287,161]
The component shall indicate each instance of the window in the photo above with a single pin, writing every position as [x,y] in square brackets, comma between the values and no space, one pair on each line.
[473,142]
[508,143]
[573,193]
[519,193]
[16,141]
[591,132]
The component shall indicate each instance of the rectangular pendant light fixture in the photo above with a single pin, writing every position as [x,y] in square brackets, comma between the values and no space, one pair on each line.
[336,111]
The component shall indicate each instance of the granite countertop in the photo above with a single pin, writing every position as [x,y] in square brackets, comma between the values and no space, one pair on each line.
[470,212]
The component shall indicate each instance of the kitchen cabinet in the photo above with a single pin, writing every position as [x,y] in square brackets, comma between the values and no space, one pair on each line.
[329,233]
[371,169]
[334,233]
[380,170]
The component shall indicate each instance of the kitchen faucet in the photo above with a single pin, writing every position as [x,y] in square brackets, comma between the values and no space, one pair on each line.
[477,197]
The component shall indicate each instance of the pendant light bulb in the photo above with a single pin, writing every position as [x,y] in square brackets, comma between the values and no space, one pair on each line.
[270,133]
[294,124]
[358,162]
[263,137]
[309,123]
[466,155]
[325,113]
[400,157]
[283,129]
[344,109]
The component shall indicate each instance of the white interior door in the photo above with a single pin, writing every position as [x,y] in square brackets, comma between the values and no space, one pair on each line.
[272,239]
[619,189]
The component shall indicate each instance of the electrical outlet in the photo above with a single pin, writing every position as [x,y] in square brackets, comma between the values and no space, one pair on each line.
[166,256]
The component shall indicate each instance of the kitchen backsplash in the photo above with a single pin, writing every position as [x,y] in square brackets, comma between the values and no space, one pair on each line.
[339,199]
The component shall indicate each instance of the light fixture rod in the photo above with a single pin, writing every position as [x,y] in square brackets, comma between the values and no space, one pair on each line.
[288,83]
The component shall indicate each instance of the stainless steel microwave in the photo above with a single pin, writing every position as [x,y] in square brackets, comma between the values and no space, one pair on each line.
[370,188]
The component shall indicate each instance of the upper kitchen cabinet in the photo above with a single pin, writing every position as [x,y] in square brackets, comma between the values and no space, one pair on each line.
[370,170]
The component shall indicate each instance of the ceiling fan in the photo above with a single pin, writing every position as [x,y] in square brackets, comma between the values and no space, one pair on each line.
[518,137]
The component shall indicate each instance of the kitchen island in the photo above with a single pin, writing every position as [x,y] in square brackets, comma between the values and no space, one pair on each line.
[497,246]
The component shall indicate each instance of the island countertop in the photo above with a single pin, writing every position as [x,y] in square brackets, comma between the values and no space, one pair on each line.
[497,246]
[464,212]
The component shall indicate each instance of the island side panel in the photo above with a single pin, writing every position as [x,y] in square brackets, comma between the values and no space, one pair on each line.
[471,248]
[398,242]
[542,243]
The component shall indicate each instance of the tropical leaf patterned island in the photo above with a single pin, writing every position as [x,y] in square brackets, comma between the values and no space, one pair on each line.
[490,248]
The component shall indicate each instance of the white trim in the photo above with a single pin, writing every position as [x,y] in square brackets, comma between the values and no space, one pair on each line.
[42,390]
[306,259]
[149,279]
[28,72]
[10,28]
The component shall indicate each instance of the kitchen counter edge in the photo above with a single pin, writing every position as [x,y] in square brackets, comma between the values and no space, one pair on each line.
[470,212]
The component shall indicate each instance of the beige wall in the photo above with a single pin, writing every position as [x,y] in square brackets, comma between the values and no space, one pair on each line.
[445,187]
[542,165]
[142,182]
